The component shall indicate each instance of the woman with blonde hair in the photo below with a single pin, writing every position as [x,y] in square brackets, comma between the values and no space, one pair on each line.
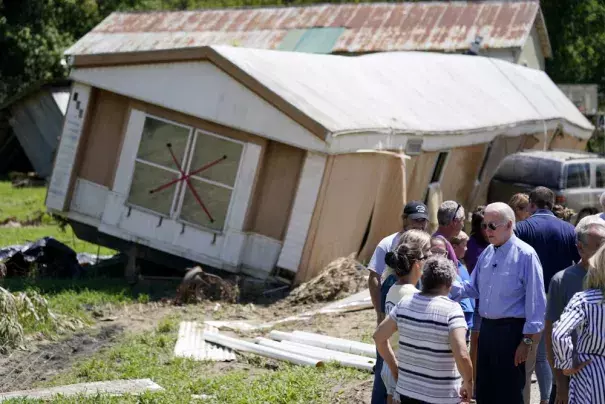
[520,204]
[584,358]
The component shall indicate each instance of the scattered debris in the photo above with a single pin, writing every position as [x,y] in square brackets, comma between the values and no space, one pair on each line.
[191,344]
[114,388]
[356,302]
[304,349]
[198,285]
[327,355]
[327,342]
[46,257]
[13,222]
[341,278]
[245,346]
[22,180]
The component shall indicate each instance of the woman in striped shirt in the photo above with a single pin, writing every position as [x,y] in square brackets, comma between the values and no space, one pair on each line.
[432,341]
[583,357]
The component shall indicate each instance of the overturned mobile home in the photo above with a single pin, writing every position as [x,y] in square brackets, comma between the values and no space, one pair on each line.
[250,160]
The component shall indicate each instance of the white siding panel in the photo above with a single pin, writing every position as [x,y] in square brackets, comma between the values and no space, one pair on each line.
[302,211]
[233,248]
[58,188]
[89,198]
[202,90]
[260,255]
[243,187]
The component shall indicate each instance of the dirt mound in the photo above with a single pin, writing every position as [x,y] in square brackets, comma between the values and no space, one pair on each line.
[339,279]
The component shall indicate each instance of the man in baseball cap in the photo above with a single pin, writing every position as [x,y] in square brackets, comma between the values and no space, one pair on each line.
[415,216]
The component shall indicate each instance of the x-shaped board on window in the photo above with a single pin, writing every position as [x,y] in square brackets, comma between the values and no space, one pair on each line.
[186,179]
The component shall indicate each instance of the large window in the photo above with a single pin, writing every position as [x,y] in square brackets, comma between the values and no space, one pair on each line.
[210,163]
[578,175]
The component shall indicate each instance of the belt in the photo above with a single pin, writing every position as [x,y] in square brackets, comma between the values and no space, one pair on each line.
[506,320]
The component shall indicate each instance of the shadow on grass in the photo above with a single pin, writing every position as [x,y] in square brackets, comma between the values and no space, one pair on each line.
[109,290]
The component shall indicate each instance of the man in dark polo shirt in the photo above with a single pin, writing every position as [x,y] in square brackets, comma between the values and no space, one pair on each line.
[555,243]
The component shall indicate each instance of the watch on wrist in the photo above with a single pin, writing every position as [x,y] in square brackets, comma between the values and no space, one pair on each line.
[528,341]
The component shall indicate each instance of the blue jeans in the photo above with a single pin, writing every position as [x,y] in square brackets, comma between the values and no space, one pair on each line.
[379,391]
[543,371]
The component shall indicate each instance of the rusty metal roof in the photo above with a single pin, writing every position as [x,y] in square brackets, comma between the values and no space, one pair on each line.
[370,27]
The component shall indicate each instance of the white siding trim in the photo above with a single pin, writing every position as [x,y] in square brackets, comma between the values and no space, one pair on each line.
[56,198]
[89,198]
[302,211]
[243,187]
[202,90]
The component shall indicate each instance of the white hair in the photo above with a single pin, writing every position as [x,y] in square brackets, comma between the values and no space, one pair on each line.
[588,225]
[505,211]
[445,214]
[602,201]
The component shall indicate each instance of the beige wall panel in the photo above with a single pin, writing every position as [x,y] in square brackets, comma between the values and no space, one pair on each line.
[276,189]
[418,180]
[390,200]
[342,213]
[502,147]
[104,137]
[566,141]
[460,173]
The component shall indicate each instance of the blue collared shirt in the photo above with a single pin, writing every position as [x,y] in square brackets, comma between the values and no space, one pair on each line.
[553,239]
[508,283]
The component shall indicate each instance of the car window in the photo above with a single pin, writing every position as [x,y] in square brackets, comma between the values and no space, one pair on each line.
[578,175]
[522,169]
[600,172]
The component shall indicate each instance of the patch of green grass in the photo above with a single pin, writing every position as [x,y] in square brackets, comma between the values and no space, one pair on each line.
[28,203]
[21,203]
[150,356]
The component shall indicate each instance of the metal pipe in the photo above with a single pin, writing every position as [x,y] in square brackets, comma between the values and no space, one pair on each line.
[317,353]
[323,341]
[245,346]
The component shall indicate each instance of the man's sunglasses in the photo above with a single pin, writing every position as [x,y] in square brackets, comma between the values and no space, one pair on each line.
[492,226]
[456,212]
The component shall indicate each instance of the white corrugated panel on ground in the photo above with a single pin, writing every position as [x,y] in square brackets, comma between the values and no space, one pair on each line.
[191,344]
[412,92]
[112,388]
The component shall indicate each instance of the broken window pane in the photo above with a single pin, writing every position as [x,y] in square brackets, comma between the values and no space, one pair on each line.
[156,136]
[215,198]
[209,148]
[147,178]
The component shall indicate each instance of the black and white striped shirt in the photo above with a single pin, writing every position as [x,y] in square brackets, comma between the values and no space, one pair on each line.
[585,313]
[427,369]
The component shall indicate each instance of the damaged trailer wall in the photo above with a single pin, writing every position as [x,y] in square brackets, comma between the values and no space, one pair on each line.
[361,199]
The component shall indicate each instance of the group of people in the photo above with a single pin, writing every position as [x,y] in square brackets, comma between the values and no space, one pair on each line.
[471,317]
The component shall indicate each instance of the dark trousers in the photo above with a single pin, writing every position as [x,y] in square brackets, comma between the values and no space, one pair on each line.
[499,381]
[379,391]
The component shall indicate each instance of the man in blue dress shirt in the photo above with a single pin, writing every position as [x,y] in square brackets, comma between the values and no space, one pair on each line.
[509,284]
[555,243]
